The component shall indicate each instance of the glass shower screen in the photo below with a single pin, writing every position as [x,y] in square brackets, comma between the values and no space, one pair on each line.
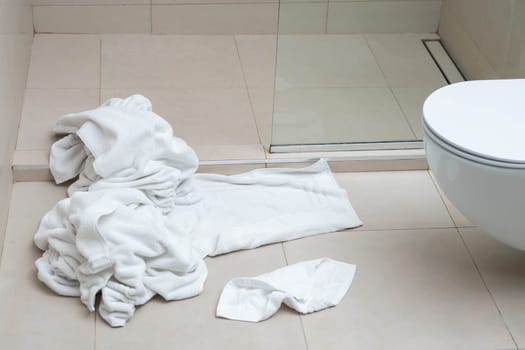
[353,75]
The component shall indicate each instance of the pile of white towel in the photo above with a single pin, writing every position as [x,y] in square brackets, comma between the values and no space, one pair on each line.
[138,220]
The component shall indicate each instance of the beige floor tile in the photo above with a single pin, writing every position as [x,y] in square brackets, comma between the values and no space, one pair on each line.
[459,219]
[191,323]
[229,152]
[404,60]
[331,115]
[411,101]
[502,268]
[43,107]
[64,61]
[326,61]
[457,216]
[25,214]
[258,54]
[262,106]
[177,61]
[395,200]
[31,315]
[202,116]
[414,289]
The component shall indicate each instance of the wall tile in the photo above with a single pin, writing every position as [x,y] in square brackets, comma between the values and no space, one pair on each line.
[485,37]
[15,17]
[302,18]
[459,44]
[92,19]
[516,60]
[472,14]
[215,19]
[16,32]
[495,40]
[90,2]
[235,16]
[187,2]
[483,69]
[383,17]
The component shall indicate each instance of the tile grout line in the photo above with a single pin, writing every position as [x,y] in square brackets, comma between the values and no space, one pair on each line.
[405,117]
[300,316]
[4,228]
[487,288]
[474,263]
[247,90]
[403,112]
[364,229]
[284,253]
[95,330]
[100,70]
[443,200]
[151,16]
[326,17]
[304,333]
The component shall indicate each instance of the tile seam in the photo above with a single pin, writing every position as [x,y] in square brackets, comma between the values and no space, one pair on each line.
[489,292]
[299,315]
[247,90]
[390,88]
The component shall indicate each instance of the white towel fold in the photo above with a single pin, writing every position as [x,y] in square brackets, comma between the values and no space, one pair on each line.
[124,144]
[306,287]
[139,221]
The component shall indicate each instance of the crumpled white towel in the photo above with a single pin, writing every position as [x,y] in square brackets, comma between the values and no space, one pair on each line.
[116,242]
[139,221]
[306,287]
[123,144]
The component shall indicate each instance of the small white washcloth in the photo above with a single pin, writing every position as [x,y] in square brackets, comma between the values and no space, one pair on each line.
[306,287]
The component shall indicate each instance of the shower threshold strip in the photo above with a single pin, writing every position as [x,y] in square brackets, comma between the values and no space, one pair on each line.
[33,166]
[448,69]
[334,147]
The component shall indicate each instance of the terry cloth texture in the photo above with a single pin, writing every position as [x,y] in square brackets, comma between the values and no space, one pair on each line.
[306,287]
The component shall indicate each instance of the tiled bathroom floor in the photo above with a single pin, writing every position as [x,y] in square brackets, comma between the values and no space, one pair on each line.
[217,91]
[426,279]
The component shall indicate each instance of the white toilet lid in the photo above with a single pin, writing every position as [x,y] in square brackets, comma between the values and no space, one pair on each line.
[485,118]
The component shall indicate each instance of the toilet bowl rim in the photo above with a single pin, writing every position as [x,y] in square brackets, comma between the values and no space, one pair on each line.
[486,161]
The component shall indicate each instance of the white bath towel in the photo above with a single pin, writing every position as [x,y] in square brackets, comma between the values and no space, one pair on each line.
[123,144]
[265,206]
[117,242]
[139,221]
[305,287]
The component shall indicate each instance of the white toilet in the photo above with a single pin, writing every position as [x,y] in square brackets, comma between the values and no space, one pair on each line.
[475,143]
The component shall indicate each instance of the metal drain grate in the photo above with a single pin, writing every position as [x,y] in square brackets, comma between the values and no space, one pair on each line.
[443,61]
